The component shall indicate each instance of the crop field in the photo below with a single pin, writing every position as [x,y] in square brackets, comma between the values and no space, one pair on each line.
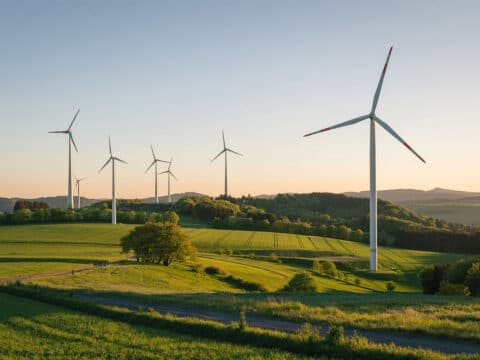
[26,250]
[33,330]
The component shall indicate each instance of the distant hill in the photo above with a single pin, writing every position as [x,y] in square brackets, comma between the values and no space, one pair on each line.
[407,195]
[7,204]
[461,207]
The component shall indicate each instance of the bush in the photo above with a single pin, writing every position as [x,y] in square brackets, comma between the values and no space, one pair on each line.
[457,273]
[308,333]
[473,279]
[215,270]
[431,277]
[329,268]
[335,336]
[245,284]
[302,282]
[390,286]
[358,281]
[316,266]
[242,324]
[447,288]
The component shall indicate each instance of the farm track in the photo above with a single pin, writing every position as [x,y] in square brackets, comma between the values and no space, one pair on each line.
[403,338]
[300,241]
[65,272]
[313,243]
[248,241]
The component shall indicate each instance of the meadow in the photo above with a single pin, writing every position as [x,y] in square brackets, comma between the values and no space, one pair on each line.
[34,330]
[357,300]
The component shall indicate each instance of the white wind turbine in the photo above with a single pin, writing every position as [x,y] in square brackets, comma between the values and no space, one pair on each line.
[114,201]
[225,151]
[169,173]
[77,185]
[373,187]
[155,162]
[70,142]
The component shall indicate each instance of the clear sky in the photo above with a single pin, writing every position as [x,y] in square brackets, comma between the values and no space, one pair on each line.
[174,73]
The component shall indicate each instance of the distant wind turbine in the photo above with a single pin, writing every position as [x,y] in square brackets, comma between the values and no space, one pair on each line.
[155,162]
[225,151]
[77,184]
[70,142]
[169,173]
[373,187]
[112,159]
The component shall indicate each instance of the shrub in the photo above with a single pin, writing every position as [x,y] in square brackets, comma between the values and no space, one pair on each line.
[273,257]
[473,279]
[447,288]
[308,333]
[390,286]
[302,282]
[458,272]
[242,324]
[358,281]
[431,277]
[245,284]
[335,336]
[215,270]
[316,266]
[329,268]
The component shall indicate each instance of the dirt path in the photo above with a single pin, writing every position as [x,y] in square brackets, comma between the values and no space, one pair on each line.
[62,273]
[440,344]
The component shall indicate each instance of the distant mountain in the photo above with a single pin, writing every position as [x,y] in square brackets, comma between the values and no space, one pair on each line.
[7,204]
[400,196]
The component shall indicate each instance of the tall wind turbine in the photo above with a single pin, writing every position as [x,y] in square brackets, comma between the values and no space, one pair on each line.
[225,151]
[373,186]
[70,142]
[169,173]
[155,162]
[77,185]
[112,159]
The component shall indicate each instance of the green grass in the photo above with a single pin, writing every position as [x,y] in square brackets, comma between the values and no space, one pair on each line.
[34,330]
[454,317]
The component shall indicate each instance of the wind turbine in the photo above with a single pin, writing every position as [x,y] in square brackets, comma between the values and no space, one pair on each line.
[155,162]
[373,186]
[70,142]
[169,173]
[112,159]
[225,151]
[77,184]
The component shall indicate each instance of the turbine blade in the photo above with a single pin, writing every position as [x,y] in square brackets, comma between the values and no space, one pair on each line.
[74,118]
[122,161]
[73,141]
[105,165]
[58,132]
[396,136]
[163,172]
[234,152]
[172,175]
[153,153]
[223,137]
[220,153]
[153,163]
[170,164]
[380,82]
[110,146]
[163,161]
[345,123]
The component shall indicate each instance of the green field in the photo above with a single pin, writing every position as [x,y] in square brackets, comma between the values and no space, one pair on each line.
[33,330]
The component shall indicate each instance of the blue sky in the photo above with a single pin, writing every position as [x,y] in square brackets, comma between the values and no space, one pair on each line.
[174,73]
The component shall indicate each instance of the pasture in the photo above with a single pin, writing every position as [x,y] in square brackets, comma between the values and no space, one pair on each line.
[34,330]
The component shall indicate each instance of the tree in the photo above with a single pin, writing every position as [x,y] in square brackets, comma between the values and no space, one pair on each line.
[302,282]
[158,242]
[473,279]
[390,286]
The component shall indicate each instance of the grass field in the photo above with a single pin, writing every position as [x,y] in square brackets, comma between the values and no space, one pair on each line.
[33,330]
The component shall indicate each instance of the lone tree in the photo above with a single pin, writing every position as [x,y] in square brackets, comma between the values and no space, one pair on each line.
[158,242]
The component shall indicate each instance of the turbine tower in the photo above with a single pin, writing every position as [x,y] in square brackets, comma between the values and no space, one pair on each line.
[374,119]
[70,142]
[225,151]
[77,185]
[112,159]
[169,173]
[155,162]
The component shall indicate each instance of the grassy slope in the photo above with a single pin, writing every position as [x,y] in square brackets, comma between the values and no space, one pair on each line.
[33,330]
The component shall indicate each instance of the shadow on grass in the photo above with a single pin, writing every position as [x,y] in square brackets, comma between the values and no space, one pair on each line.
[51,260]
